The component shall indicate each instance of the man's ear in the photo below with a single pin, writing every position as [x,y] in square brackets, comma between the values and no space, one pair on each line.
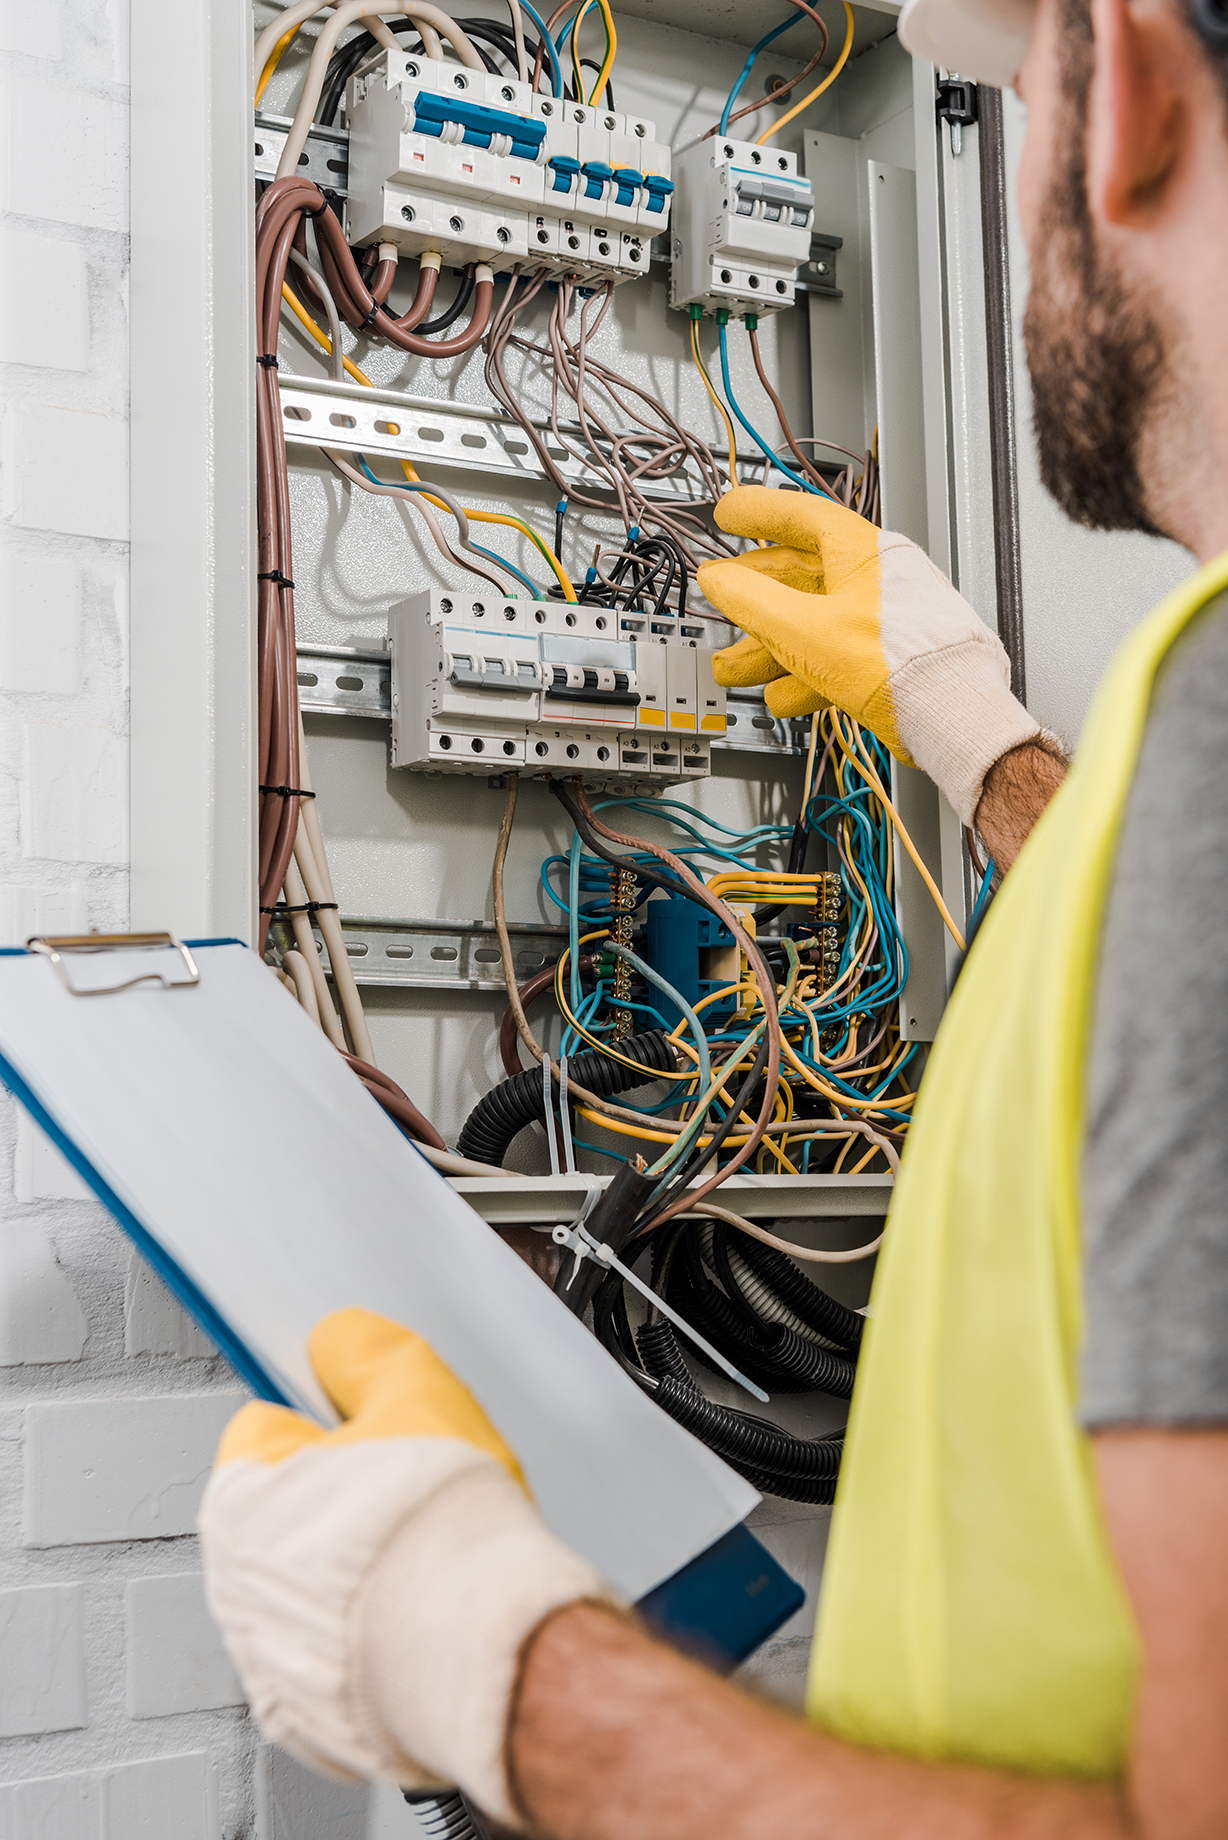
[1138,122]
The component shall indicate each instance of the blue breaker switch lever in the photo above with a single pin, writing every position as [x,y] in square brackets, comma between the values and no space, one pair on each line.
[480,125]
[627,183]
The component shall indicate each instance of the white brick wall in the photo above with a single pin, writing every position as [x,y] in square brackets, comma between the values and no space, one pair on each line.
[120,1716]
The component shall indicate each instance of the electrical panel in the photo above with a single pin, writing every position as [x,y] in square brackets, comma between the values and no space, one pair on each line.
[483,685]
[480,169]
[742,222]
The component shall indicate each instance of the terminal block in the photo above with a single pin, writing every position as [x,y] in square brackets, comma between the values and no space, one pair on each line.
[480,685]
[742,222]
[482,170]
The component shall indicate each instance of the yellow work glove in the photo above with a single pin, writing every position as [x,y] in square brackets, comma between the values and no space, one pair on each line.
[840,612]
[374,1584]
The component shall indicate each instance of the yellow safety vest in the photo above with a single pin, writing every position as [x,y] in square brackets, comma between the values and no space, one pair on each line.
[971,1607]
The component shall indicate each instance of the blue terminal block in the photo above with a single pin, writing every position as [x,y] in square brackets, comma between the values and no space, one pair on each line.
[480,126]
[677,934]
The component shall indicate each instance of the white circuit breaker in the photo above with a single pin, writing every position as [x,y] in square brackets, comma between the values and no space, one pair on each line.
[482,170]
[482,684]
[742,223]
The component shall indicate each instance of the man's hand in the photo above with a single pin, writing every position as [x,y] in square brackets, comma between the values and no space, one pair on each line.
[840,612]
[375,1583]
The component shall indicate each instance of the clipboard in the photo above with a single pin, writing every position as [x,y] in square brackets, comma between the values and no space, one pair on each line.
[234,1147]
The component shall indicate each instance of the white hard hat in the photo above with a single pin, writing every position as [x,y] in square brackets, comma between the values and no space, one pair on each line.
[982,39]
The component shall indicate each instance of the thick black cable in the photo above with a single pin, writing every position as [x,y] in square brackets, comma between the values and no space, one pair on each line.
[445,319]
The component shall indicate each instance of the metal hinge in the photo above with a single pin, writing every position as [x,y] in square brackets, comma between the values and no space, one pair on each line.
[957,106]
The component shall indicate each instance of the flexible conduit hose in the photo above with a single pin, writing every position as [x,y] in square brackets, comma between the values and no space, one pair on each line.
[501,1115]
[444,1814]
[799,1469]
[832,1320]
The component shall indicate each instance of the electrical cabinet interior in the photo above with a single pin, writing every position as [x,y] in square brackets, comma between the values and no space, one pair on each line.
[501,648]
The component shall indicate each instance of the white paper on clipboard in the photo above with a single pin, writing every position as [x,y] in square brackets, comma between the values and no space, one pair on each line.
[238,1139]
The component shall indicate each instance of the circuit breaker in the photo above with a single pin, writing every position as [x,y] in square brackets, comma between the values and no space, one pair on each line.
[482,170]
[480,685]
[742,222]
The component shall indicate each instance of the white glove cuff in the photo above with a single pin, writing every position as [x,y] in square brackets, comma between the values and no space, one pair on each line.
[439,1624]
[957,717]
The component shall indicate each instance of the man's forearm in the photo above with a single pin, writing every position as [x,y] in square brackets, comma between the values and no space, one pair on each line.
[612,1733]
[1016,791]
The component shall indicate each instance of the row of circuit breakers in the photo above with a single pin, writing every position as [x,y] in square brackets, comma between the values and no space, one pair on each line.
[481,169]
[480,686]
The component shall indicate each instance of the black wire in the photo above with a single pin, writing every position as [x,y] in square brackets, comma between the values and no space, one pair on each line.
[570,95]
[560,512]
[643,871]
[344,62]
[458,306]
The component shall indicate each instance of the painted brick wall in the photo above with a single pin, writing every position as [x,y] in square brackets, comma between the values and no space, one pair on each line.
[120,1716]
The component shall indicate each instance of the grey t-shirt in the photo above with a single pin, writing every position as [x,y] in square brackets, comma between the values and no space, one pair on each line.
[1155,1171]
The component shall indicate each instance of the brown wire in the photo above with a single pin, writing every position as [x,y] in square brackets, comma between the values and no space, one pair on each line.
[542,980]
[779,94]
[395,1101]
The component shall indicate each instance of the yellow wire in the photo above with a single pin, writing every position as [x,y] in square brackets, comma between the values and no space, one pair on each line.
[717,404]
[275,57]
[864,766]
[603,74]
[827,82]
[479,517]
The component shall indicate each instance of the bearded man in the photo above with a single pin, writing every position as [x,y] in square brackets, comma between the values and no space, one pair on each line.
[1024,1622]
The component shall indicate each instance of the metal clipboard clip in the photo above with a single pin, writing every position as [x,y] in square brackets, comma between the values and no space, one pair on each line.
[55,949]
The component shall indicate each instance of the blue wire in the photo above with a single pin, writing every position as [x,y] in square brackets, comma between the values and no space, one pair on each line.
[579,1141]
[409,485]
[984,896]
[736,91]
[556,69]
[755,436]
[573,907]
[511,568]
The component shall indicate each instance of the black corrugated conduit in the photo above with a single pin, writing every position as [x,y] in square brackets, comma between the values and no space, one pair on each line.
[697,1268]
[800,1469]
[501,1114]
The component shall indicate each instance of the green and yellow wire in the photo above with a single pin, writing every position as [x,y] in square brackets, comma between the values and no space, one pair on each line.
[717,404]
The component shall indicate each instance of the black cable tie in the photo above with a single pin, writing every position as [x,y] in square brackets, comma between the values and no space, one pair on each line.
[269,361]
[372,316]
[321,907]
[289,792]
[277,576]
[282,909]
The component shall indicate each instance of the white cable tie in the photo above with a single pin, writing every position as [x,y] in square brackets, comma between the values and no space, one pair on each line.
[547,1120]
[569,1149]
[580,1241]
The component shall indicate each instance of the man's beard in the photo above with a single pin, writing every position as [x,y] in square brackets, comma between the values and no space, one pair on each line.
[1097,364]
